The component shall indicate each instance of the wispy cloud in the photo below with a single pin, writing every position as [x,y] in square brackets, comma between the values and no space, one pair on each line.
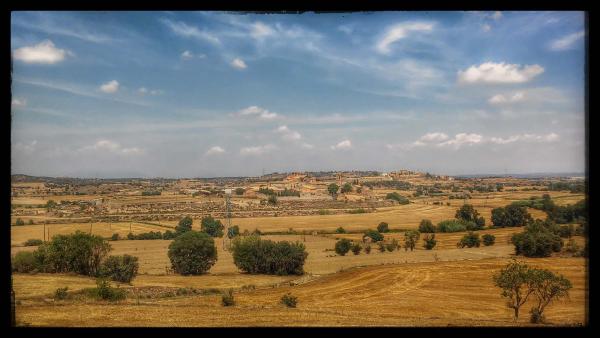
[18,102]
[342,145]
[566,42]
[259,112]
[111,147]
[490,72]
[400,31]
[257,150]
[500,98]
[182,29]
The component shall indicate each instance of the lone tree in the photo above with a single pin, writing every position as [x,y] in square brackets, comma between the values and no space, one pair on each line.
[212,226]
[342,246]
[185,225]
[410,239]
[340,230]
[430,241]
[375,235]
[383,227]
[516,284]
[347,187]
[426,226]
[192,253]
[547,288]
[333,189]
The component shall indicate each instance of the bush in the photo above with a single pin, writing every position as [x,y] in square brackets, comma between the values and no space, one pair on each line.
[469,240]
[185,224]
[324,212]
[104,291]
[233,231]
[192,253]
[254,255]
[410,239]
[130,236]
[272,200]
[488,239]
[397,197]
[33,242]
[24,261]
[342,246]
[468,213]
[340,230]
[357,211]
[289,300]
[426,226]
[510,216]
[19,222]
[430,241]
[120,268]
[375,235]
[383,227]
[61,293]
[227,298]
[169,235]
[451,225]
[347,187]
[356,248]
[367,249]
[30,222]
[212,226]
[114,237]
[239,191]
[538,240]
[392,245]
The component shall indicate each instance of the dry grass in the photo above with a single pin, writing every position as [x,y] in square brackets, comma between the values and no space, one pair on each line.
[413,294]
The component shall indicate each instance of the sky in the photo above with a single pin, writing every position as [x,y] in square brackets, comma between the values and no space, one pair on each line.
[208,94]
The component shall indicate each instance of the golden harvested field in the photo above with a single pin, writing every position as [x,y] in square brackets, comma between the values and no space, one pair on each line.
[412,294]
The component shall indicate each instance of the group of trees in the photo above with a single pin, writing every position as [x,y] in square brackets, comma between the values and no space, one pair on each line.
[79,253]
[510,216]
[519,282]
[466,219]
[254,255]
[539,239]
[397,197]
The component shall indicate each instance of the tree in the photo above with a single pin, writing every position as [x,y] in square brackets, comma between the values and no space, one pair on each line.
[342,246]
[185,224]
[548,287]
[488,239]
[410,239]
[19,222]
[467,213]
[347,187]
[516,284]
[340,230]
[356,248]
[239,191]
[212,226]
[79,252]
[430,241]
[332,189]
[375,235]
[233,231]
[426,226]
[383,227]
[538,240]
[192,253]
[50,205]
[392,245]
[510,216]
[469,240]
[120,268]
[254,255]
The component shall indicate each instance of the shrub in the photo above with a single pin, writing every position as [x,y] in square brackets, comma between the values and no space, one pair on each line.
[469,240]
[324,212]
[347,187]
[375,235]
[104,291]
[410,239]
[185,224]
[426,226]
[488,239]
[367,249]
[430,241]
[510,216]
[254,255]
[233,231]
[383,227]
[212,226]
[114,237]
[538,240]
[24,261]
[451,225]
[272,200]
[357,211]
[19,222]
[397,197]
[79,252]
[192,253]
[227,298]
[120,268]
[342,246]
[169,235]
[130,236]
[381,247]
[61,293]
[340,230]
[30,222]
[356,248]
[392,245]
[289,300]
[467,213]
[239,191]
[33,242]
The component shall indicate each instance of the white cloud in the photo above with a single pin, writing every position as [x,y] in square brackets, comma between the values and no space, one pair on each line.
[288,134]
[566,42]
[185,30]
[215,151]
[258,111]
[257,150]
[525,137]
[497,15]
[463,139]
[44,52]
[342,145]
[17,102]
[500,99]
[260,30]
[110,87]
[490,72]
[486,27]
[430,137]
[400,31]
[186,55]
[238,63]
[112,147]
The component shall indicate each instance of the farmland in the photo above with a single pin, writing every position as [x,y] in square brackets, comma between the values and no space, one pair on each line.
[444,286]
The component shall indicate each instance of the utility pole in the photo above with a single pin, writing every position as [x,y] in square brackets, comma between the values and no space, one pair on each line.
[44,231]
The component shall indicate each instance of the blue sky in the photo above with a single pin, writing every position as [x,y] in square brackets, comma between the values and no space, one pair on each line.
[200,94]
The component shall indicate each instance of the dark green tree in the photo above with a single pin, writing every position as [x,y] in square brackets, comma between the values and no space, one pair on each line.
[192,253]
